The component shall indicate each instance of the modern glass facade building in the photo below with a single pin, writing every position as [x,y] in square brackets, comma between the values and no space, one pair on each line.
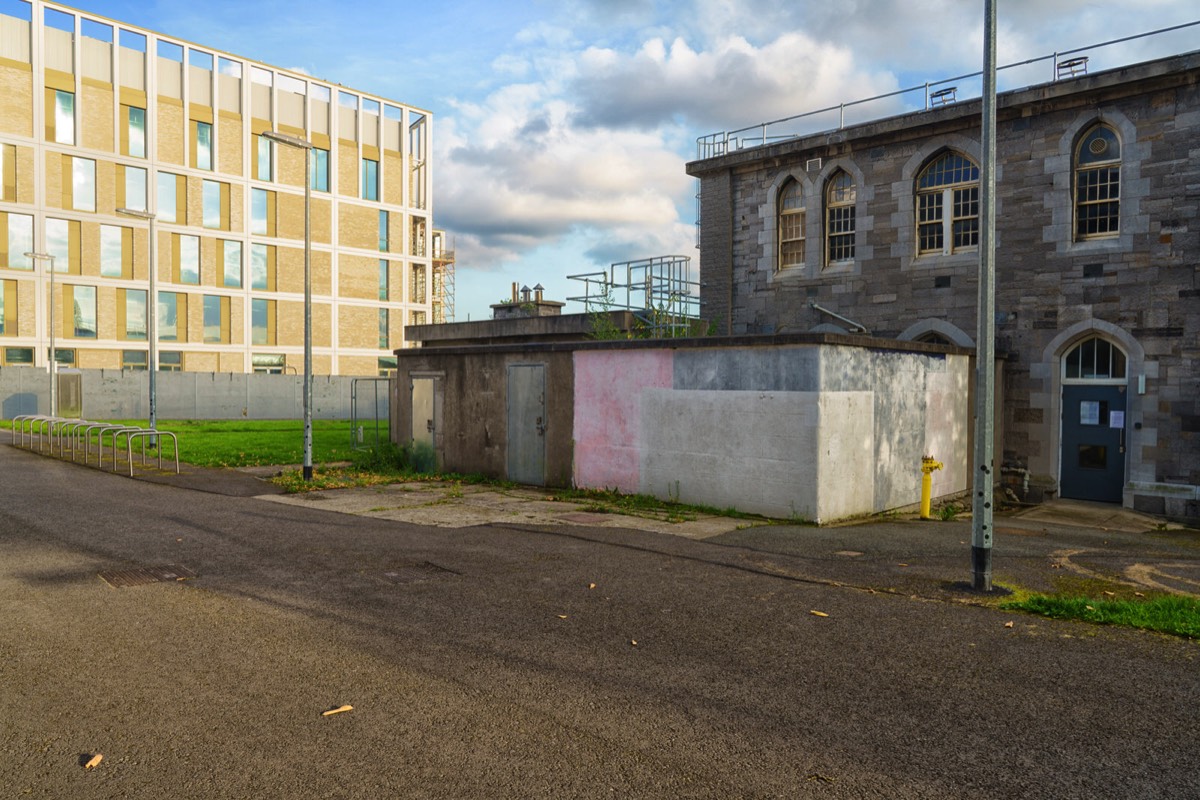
[97,116]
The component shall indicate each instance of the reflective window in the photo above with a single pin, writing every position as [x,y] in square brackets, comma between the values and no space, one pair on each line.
[85,311]
[384,289]
[137,132]
[189,259]
[168,317]
[259,320]
[319,168]
[383,231]
[840,196]
[203,145]
[383,328]
[258,211]
[949,182]
[112,257]
[64,117]
[265,153]
[212,318]
[258,266]
[232,254]
[170,361]
[135,360]
[791,226]
[1098,184]
[58,243]
[83,184]
[370,179]
[135,188]
[211,195]
[167,201]
[1094,359]
[135,314]
[20,241]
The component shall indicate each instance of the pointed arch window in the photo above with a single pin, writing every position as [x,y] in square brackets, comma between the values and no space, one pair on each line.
[1097,184]
[948,205]
[840,196]
[791,226]
[1094,359]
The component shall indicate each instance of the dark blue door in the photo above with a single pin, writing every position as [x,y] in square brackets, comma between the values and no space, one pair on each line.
[1093,442]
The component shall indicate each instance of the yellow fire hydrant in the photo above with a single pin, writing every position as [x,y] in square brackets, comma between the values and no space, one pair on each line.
[928,465]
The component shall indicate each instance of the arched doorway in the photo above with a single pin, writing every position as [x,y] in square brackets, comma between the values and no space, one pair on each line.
[1094,395]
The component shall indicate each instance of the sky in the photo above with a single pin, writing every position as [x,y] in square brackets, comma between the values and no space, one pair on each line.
[562,128]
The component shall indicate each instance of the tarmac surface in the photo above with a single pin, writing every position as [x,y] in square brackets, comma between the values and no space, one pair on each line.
[496,644]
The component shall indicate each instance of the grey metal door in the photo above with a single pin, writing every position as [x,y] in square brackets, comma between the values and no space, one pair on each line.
[1093,442]
[527,424]
[422,411]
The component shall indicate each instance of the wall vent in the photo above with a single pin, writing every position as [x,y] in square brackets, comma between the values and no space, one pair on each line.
[812,165]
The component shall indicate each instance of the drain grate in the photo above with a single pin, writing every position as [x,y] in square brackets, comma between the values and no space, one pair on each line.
[411,573]
[140,576]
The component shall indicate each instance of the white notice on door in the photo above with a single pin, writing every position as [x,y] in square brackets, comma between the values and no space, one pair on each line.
[1089,412]
[1116,419]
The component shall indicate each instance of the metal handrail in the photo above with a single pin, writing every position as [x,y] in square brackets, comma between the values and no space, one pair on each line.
[717,144]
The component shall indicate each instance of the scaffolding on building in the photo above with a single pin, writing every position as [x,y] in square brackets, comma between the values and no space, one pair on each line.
[660,292]
[443,279]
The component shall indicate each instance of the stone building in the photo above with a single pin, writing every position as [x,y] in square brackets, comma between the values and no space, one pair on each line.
[874,228]
[97,116]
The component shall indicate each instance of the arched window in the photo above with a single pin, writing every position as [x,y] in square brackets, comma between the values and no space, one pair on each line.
[1097,184]
[1094,359]
[948,205]
[839,218]
[933,337]
[791,226]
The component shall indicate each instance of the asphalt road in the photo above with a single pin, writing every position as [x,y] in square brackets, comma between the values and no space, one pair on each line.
[481,662]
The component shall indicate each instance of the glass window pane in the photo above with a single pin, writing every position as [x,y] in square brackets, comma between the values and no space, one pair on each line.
[258,266]
[258,210]
[203,145]
[258,321]
[212,204]
[111,255]
[189,259]
[64,117]
[20,241]
[212,318]
[135,188]
[135,314]
[1,306]
[85,312]
[58,243]
[383,279]
[383,328]
[383,231]
[166,197]
[137,132]
[233,263]
[83,179]
[370,179]
[264,158]
[168,317]
[319,168]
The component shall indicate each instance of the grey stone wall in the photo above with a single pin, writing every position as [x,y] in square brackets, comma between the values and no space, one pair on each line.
[1139,289]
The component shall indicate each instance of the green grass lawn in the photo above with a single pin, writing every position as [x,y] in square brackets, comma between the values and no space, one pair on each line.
[1179,616]
[250,443]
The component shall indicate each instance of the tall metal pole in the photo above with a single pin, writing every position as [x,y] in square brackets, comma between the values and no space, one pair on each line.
[985,344]
[53,360]
[308,469]
[151,313]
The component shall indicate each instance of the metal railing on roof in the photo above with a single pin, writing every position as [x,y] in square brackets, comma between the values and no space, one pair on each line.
[933,94]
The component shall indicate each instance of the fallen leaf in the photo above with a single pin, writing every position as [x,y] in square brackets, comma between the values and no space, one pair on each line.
[591,586]
[902,564]
[818,613]
[94,761]
[816,776]
[1138,594]
[337,710]
[1090,608]
[1111,594]
[1008,624]
[633,642]
[562,616]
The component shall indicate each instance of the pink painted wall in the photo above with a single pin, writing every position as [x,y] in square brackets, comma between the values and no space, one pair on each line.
[608,389]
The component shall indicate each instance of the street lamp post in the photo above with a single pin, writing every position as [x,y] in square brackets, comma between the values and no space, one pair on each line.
[151,314]
[294,141]
[53,359]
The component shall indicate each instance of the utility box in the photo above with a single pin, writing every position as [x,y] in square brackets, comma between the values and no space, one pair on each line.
[70,393]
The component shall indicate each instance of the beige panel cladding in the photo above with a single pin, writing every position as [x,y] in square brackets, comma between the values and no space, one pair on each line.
[358,277]
[321,365]
[106,321]
[97,116]
[348,168]
[195,199]
[289,216]
[53,186]
[171,138]
[232,362]
[25,174]
[229,143]
[195,318]
[358,326]
[237,319]
[289,161]
[358,226]
[98,359]
[322,220]
[16,99]
[89,234]
[358,365]
[289,323]
[393,178]
[210,268]
[203,362]
[107,175]
[26,306]
[162,257]
[289,270]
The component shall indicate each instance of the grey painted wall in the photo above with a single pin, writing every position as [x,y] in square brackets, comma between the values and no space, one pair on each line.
[123,394]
